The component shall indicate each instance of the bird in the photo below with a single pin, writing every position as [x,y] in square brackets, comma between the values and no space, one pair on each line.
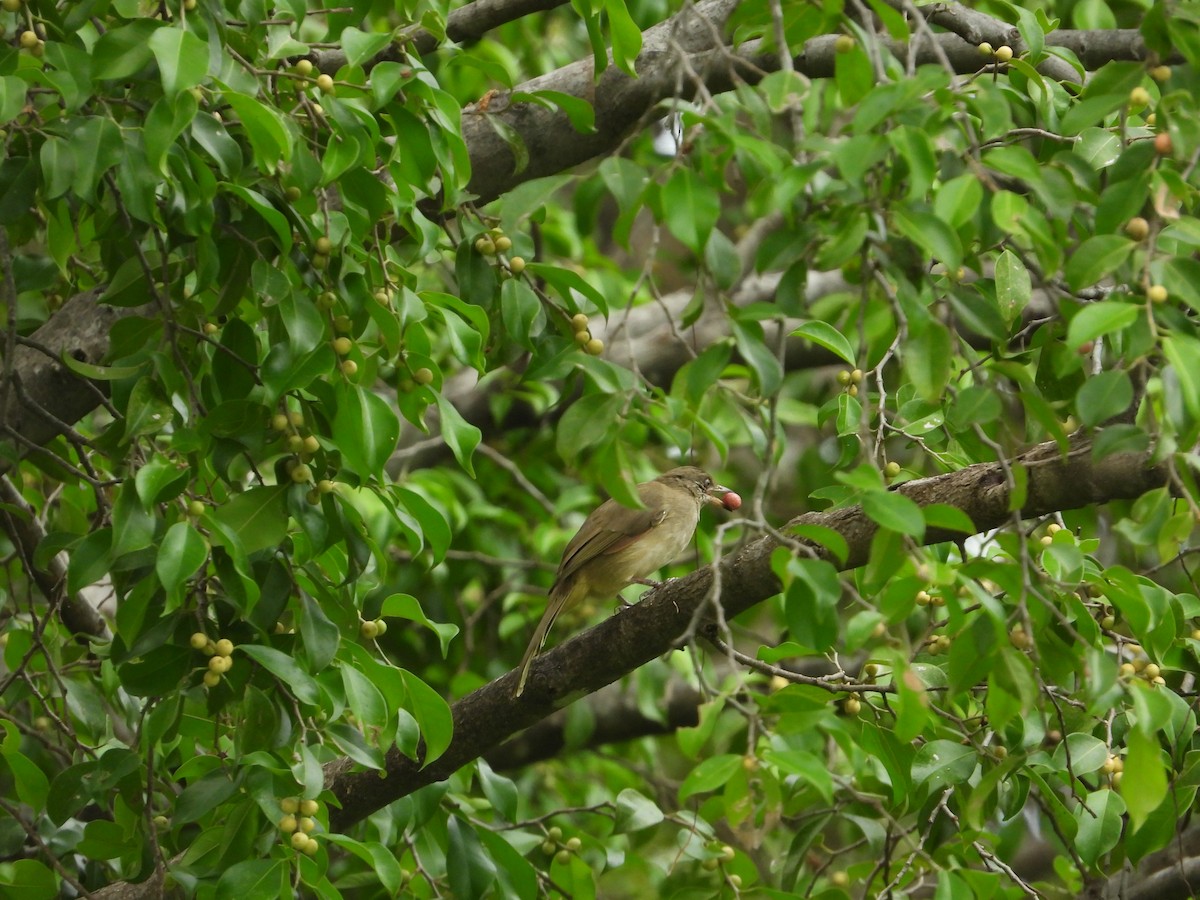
[617,546]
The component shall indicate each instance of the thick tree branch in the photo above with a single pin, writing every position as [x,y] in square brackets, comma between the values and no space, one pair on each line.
[607,652]
[621,102]
[44,392]
[463,25]
[20,522]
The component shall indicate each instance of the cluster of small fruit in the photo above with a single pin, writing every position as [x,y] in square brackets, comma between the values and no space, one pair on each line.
[220,654]
[1001,54]
[495,242]
[1138,229]
[302,447]
[1139,666]
[561,850]
[372,628]
[298,822]
[583,336]
[850,379]
[721,855]
[304,68]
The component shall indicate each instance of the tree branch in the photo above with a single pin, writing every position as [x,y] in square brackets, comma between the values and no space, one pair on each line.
[79,329]
[589,661]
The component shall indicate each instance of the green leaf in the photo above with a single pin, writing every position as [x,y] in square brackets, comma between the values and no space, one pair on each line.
[808,766]
[286,669]
[1184,353]
[942,763]
[958,200]
[254,879]
[204,795]
[460,435]
[1099,819]
[367,429]
[365,699]
[122,52]
[96,145]
[31,784]
[948,518]
[1098,319]
[262,206]
[931,234]
[1085,753]
[1095,259]
[1013,286]
[180,555]
[587,421]
[521,311]
[810,600]
[133,526]
[567,282]
[1103,396]
[360,46]
[265,129]
[12,98]
[825,335]
[768,370]
[380,861]
[471,871]
[829,538]
[690,208]
[160,480]
[894,512]
[577,110]
[709,775]
[1144,779]
[102,840]
[321,636]
[27,879]
[406,606]
[182,58]
[929,357]
[635,812]
[432,714]
[626,36]
[256,518]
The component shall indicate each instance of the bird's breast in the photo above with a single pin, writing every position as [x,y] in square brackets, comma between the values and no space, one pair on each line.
[661,545]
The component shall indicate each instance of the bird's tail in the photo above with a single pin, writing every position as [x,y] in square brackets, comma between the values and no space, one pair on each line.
[560,597]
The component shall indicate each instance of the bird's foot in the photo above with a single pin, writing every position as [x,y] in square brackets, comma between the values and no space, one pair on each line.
[653,585]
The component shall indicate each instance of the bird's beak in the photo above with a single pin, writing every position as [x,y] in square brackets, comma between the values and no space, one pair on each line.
[716,495]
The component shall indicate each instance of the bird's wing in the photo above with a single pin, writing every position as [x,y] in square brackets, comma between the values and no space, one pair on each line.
[583,547]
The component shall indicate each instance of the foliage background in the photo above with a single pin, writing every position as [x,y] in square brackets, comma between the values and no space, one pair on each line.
[272,376]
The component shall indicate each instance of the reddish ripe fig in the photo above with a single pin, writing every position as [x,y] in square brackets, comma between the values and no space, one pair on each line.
[732,500]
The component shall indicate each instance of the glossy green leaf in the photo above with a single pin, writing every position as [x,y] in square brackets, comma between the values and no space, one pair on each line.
[405,606]
[626,36]
[461,436]
[1098,319]
[942,763]
[1143,780]
[895,512]
[256,518]
[1096,258]
[180,555]
[1103,396]
[690,209]
[286,669]
[825,335]
[265,129]
[253,879]
[432,714]
[182,59]
[368,427]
